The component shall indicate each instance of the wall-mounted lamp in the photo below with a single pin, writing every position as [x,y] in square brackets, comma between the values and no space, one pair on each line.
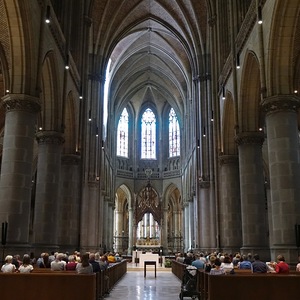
[198,144]
[223,93]
[295,91]
[204,131]
[90,116]
[238,61]
[259,15]
[102,144]
[97,131]
[67,66]
[212,116]
[47,19]
[7,91]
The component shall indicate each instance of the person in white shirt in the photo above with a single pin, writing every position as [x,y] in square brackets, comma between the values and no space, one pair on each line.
[25,267]
[58,264]
[8,267]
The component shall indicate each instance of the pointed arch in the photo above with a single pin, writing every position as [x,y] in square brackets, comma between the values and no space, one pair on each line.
[71,123]
[50,98]
[229,146]
[250,95]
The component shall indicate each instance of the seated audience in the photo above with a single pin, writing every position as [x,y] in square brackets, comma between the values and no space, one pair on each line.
[227,265]
[8,267]
[84,267]
[298,265]
[95,265]
[71,264]
[198,263]
[111,258]
[58,264]
[281,266]
[259,266]
[245,263]
[236,260]
[217,269]
[26,266]
[45,262]
[188,259]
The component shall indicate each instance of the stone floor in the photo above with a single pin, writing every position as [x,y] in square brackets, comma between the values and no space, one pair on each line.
[135,286]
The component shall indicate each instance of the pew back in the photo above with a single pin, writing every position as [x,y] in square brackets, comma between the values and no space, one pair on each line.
[48,286]
[253,286]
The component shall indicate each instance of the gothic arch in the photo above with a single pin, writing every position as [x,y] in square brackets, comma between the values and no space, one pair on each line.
[70,125]
[51,117]
[249,111]
[228,121]
[284,30]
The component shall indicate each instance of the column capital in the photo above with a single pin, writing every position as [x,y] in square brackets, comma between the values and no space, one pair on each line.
[50,137]
[252,137]
[281,103]
[21,102]
[228,159]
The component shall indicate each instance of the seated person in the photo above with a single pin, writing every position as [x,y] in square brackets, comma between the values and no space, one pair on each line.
[281,266]
[259,266]
[58,264]
[8,267]
[217,269]
[245,263]
[26,266]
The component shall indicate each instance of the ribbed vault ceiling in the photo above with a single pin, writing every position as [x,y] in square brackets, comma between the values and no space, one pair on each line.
[156,48]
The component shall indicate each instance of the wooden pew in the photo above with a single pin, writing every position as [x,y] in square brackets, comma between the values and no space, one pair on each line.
[252,286]
[48,286]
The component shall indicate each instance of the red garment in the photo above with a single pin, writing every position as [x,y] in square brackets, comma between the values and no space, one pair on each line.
[71,266]
[282,267]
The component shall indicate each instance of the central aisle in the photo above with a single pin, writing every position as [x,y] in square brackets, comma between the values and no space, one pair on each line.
[133,286]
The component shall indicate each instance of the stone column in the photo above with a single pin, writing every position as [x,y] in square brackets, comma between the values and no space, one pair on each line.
[69,206]
[16,165]
[283,152]
[104,224]
[45,226]
[230,225]
[253,199]
[130,231]
[165,230]
[110,225]
[192,222]
[204,215]
[119,228]
[186,226]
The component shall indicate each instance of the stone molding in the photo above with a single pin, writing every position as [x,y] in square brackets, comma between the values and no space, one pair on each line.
[281,103]
[204,184]
[21,102]
[228,159]
[247,138]
[49,137]
[70,159]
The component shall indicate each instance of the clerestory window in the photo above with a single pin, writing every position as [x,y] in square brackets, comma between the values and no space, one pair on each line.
[148,135]
[174,134]
[122,138]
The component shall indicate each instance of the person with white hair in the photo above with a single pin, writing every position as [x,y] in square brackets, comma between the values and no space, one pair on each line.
[58,264]
[8,267]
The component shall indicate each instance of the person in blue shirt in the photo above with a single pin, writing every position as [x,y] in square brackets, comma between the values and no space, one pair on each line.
[198,262]
[245,263]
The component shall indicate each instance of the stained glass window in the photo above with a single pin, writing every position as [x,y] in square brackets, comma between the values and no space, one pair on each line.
[148,135]
[174,134]
[122,138]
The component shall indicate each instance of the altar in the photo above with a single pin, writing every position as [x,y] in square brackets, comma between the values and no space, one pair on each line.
[148,257]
